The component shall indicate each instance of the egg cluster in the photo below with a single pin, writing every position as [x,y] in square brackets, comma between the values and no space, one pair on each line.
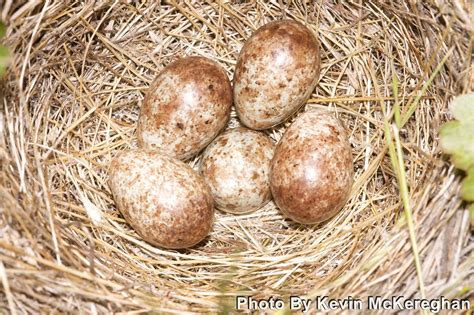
[309,172]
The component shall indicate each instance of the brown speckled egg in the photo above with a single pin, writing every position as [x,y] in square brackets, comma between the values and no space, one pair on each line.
[312,169]
[276,72]
[185,108]
[162,198]
[236,165]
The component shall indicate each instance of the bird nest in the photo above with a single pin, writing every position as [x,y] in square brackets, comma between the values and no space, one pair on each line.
[70,102]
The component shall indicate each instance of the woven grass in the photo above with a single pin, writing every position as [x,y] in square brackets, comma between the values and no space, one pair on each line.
[70,102]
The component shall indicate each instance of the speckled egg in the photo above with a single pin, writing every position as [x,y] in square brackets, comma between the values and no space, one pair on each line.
[185,108]
[163,199]
[312,169]
[236,165]
[276,72]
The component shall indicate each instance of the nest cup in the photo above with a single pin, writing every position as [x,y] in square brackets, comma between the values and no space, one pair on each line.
[71,99]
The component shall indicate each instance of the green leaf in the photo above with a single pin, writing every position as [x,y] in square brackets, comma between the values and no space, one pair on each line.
[463,107]
[4,52]
[467,188]
[3,30]
[457,137]
[449,133]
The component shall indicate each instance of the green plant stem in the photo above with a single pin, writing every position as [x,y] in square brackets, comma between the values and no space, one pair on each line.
[408,212]
[414,104]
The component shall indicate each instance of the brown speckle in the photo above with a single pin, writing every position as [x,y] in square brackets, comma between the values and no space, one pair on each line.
[190,91]
[163,199]
[231,164]
[277,70]
[312,169]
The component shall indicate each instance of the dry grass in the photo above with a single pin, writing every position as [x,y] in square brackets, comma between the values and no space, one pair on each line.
[70,102]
